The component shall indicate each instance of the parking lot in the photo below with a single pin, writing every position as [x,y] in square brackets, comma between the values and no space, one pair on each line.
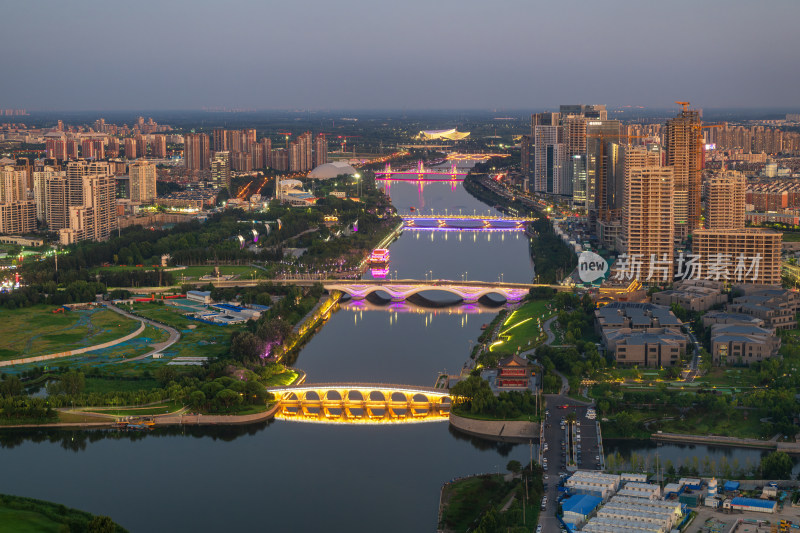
[554,455]
[711,520]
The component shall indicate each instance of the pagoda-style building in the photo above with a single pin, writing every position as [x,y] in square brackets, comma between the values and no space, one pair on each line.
[513,372]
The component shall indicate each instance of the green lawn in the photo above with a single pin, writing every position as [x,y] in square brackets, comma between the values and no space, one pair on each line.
[150,410]
[197,338]
[521,329]
[520,418]
[18,514]
[18,521]
[37,330]
[735,425]
[281,380]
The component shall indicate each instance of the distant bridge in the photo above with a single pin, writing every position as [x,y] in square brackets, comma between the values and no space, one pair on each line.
[465,222]
[361,403]
[470,291]
[422,173]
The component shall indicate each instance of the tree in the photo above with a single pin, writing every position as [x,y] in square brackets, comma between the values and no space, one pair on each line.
[165,374]
[101,524]
[776,465]
[514,466]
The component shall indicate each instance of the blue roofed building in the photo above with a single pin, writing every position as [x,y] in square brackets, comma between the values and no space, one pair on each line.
[577,508]
[731,486]
[751,504]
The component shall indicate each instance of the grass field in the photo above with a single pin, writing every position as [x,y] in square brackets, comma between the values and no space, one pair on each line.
[197,338]
[735,425]
[18,514]
[149,410]
[282,379]
[37,330]
[18,521]
[521,328]
[103,385]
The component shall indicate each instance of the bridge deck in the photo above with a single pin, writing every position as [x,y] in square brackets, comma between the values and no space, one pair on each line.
[360,386]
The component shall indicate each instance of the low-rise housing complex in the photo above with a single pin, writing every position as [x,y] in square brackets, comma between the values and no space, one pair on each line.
[692,295]
[641,334]
[775,306]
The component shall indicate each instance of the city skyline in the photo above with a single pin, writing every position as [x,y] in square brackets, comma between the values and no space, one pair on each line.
[468,55]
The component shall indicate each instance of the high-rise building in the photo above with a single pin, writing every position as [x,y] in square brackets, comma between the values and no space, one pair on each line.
[112,150]
[549,158]
[219,140]
[221,170]
[40,196]
[684,155]
[72,149]
[295,159]
[86,198]
[745,255]
[158,146]
[575,172]
[526,155]
[605,184]
[141,145]
[320,150]
[241,161]
[248,139]
[196,152]
[266,142]
[131,148]
[56,149]
[257,156]
[647,216]
[17,217]
[280,159]
[725,200]
[142,179]
[12,184]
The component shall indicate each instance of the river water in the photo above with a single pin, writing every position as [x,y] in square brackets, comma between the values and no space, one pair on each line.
[291,476]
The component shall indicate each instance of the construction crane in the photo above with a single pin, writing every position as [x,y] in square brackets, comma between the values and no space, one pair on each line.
[344,141]
[684,104]
[286,134]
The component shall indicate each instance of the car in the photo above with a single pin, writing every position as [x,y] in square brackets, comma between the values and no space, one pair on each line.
[546,478]
[597,457]
[563,406]
[539,528]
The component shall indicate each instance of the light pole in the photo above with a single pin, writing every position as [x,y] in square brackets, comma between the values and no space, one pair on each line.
[357,176]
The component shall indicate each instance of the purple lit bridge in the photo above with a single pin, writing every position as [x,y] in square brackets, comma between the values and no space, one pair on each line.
[400,290]
[464,223]
[420,173]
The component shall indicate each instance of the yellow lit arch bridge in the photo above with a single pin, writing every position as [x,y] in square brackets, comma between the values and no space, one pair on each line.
[361,403]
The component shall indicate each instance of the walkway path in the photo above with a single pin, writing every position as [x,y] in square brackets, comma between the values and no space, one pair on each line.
[551,337]
[174,334]
[78,351]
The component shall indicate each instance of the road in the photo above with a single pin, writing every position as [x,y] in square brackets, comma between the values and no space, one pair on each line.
[555,455]
[174,334]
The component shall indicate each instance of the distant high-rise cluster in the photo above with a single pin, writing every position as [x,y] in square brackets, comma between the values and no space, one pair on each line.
[642,188]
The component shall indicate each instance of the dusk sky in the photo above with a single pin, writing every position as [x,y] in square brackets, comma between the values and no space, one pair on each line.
[414,54]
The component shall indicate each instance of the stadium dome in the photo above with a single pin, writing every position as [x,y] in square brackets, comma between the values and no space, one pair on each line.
[331,170]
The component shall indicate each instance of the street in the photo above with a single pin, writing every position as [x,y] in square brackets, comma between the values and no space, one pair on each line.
[557,442]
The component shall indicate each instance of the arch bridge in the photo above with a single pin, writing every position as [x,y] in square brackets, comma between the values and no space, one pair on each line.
[400,290]
[361,403]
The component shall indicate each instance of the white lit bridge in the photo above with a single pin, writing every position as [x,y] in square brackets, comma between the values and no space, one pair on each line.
[361,403]
[465,222]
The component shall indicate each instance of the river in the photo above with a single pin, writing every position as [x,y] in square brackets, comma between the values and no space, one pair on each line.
[291,476]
